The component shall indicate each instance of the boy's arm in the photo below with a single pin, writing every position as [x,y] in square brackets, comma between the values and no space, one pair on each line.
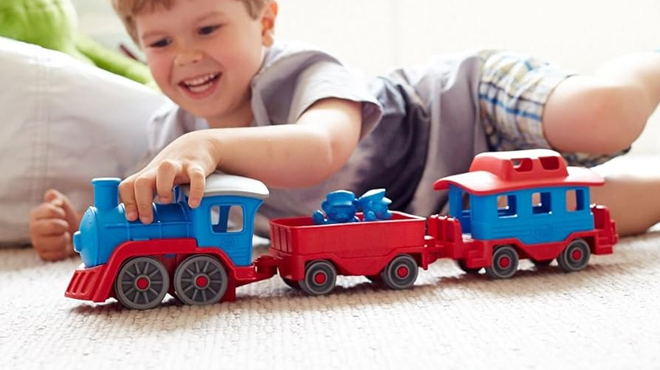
[290,155]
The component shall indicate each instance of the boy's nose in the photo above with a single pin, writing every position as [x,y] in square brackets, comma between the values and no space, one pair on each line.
[188,57]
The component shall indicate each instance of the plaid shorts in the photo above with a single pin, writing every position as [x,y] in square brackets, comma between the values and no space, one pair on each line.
[513,91]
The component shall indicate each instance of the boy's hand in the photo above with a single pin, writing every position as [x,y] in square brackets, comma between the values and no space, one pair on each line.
[187,160]
[52,225]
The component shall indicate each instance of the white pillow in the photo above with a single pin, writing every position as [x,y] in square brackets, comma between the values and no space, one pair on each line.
[63,122]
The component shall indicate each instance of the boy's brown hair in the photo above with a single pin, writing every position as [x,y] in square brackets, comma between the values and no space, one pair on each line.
[128,9]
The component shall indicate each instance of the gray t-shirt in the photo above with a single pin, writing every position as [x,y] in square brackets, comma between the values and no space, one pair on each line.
[418,124]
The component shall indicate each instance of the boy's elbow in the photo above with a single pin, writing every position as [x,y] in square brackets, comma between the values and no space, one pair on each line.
[331,155]
[326,161]
[332,130]
[339,150]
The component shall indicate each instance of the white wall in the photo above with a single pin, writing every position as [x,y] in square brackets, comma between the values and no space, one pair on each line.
[376,35]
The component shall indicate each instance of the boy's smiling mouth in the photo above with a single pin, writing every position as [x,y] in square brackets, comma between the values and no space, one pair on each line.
[200,85]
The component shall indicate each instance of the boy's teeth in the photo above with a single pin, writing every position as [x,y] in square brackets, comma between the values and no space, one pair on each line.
[199,89]
[199,81]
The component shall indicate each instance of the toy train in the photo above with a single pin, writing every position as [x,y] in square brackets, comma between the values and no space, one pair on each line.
[509,206]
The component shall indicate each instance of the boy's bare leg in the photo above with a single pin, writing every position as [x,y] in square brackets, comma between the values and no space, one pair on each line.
[604,113]
[633,199]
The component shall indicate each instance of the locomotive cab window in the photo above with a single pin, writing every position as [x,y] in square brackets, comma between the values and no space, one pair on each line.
[507,206]
[227,218]
[575,200]
[541,202]
[465,201]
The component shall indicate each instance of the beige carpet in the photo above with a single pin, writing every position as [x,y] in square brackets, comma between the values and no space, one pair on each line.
[605,317]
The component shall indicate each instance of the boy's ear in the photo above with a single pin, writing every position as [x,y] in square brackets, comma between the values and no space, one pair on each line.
[268,23]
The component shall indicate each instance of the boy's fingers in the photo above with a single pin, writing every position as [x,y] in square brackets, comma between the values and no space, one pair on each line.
[70,211]
[47,211]
[144,197]
[69,249]
[51,195]
[197,185]
[52,243]
[53,255]
[127,196]
[167,171]
[49,227]
[53,248]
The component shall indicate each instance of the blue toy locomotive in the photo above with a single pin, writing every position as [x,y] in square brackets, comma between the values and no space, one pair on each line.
[148,255]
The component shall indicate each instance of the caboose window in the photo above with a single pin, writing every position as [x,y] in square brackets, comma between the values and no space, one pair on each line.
[522,164]
[227,218]
[506,206]
[575,200]
[541,203]
[549,163]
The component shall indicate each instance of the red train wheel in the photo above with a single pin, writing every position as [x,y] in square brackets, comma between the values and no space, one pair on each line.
[575,256]
[320,278]
[142,283]
[505,262]
[200,280]
[401,272]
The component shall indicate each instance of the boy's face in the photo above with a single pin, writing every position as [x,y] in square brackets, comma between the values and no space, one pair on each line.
[204,53]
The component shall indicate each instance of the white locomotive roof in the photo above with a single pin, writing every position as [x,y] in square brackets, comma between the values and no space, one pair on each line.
[223,184]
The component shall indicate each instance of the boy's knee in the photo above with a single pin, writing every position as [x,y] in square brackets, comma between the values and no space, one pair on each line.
[618,113]
[595,115]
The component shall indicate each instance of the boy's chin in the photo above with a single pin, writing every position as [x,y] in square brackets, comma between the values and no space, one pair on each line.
[213,118]
[200,111]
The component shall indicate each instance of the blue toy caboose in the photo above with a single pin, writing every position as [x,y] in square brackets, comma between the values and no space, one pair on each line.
[524,204]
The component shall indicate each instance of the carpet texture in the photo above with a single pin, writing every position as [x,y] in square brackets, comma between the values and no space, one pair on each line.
[605,317]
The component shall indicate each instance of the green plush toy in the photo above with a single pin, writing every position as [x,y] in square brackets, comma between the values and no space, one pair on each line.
[53,24]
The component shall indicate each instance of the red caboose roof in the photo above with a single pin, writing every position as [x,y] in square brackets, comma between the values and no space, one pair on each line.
[497,172]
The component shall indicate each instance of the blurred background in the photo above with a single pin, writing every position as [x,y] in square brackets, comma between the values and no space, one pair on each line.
[377,35]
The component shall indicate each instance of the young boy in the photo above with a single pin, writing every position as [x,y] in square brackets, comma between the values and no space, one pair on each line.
[298,120]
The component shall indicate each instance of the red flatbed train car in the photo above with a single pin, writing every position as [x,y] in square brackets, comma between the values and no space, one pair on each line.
[388,250]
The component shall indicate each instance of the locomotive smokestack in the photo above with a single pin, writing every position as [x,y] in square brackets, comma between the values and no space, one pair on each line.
[106,193]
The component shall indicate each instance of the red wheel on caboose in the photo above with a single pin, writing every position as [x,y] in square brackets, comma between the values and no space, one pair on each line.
[200,280]
[505,262]
[320,278]
[142,283]
[575,256]
[401,272]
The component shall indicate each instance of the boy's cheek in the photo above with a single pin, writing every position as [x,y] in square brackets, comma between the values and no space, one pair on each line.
[157,63]
[160,74]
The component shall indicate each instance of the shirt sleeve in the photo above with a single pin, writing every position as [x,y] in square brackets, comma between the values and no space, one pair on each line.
[168,123]
[328,79]
[294,77]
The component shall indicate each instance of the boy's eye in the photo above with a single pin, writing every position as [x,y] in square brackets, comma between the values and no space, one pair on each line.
[160,43]
[208,30]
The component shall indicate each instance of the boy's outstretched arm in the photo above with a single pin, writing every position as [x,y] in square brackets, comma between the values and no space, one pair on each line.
[285,156]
